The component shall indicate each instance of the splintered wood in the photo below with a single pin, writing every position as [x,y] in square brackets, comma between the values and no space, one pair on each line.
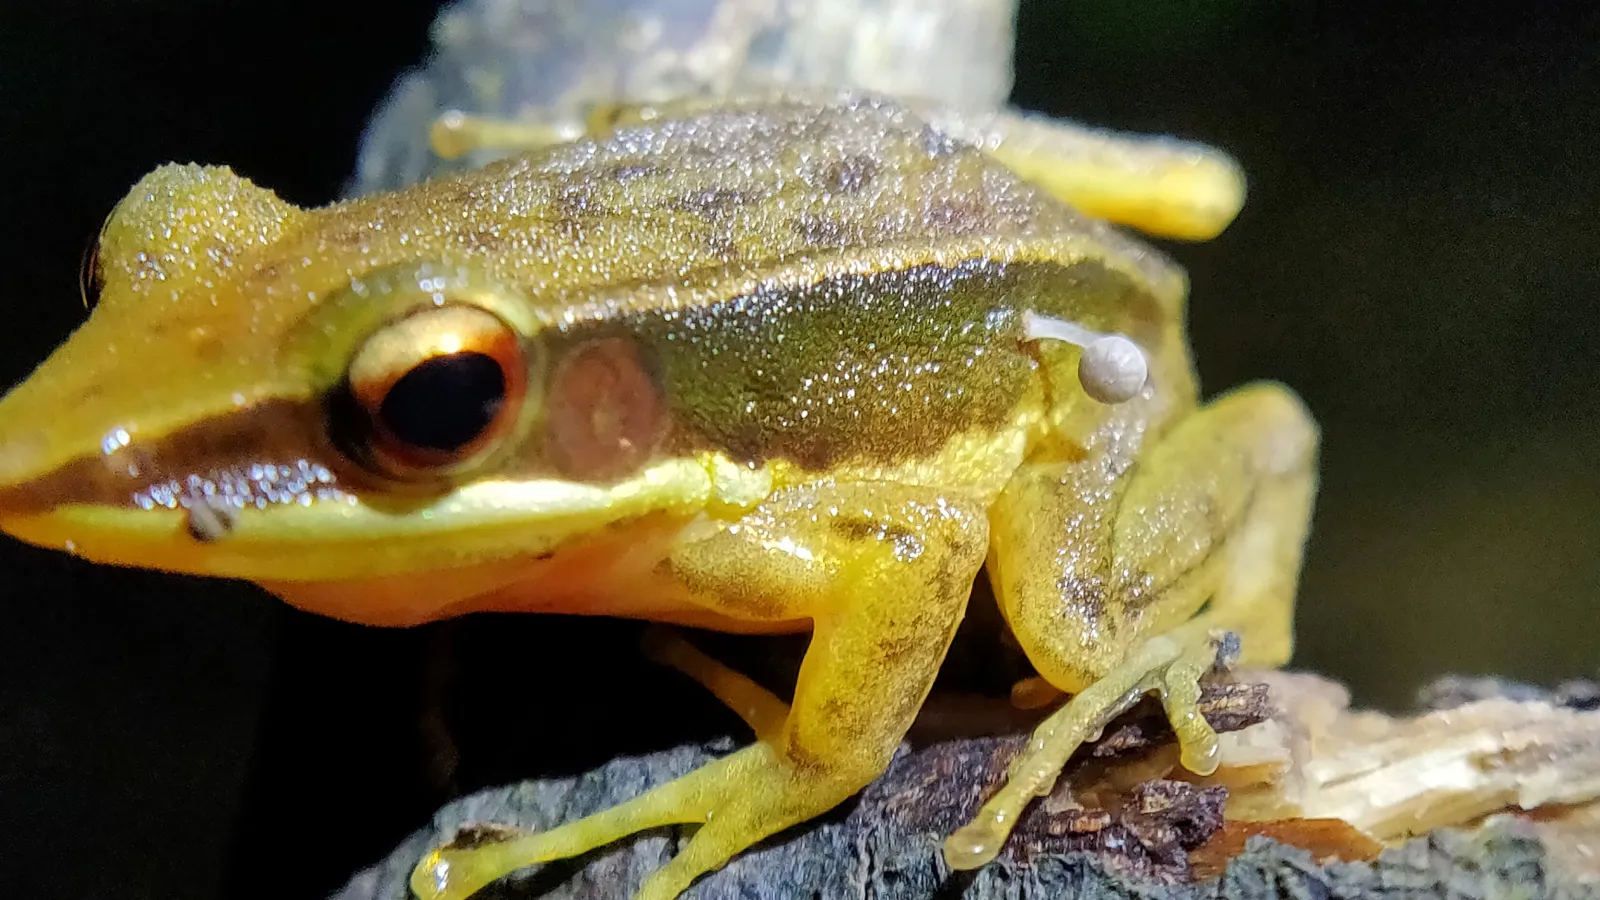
[1390,778]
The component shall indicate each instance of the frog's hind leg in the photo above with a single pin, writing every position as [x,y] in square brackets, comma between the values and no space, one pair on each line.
[758,707]
[885,579]
[1150,568]
[1159,185]
[456,134]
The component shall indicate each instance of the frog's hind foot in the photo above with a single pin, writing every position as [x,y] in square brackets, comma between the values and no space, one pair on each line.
[1171,665]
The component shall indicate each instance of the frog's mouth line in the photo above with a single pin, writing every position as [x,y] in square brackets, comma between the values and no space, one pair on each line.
[341,538]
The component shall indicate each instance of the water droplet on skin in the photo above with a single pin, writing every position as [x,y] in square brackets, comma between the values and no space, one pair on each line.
[115,440]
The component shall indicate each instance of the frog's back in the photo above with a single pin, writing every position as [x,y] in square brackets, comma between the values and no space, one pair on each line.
[846,272]
[743,188]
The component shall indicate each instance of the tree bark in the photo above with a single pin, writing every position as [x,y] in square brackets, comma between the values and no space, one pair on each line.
[1107,831]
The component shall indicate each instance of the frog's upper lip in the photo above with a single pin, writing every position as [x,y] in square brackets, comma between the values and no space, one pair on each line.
[108,459]
[292,512]
[27,492]
[341,538]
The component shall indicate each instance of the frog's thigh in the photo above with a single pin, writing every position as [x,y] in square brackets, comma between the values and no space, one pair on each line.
[885,580]
[1213,516]
[1221,513]
[1086,564]
[1159,185]
[456,134]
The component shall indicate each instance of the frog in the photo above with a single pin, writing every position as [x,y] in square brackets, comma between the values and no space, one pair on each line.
[783,366]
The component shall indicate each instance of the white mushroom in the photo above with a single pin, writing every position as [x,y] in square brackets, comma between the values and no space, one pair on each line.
[1112,368]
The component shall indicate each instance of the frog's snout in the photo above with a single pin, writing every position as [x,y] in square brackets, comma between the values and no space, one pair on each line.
[43,497]
[22,455]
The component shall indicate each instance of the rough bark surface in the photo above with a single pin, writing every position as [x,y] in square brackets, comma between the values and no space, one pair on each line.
[1150,838]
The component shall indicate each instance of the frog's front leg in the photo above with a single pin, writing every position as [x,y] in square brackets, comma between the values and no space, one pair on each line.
[884,572]
[1118,582]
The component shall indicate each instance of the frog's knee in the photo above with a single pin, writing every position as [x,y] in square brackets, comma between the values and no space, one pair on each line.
[1286,436]
[1291,448]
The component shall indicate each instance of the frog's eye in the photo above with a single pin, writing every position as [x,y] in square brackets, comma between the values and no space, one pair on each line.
[1112,368]
[434,392]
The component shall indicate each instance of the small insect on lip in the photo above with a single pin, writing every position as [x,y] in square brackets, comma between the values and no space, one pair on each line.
[209,519]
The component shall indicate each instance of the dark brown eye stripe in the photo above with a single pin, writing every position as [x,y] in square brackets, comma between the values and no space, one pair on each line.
[605,412]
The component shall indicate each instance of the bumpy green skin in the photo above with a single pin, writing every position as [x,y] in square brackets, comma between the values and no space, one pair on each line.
[735,222]
[878,367]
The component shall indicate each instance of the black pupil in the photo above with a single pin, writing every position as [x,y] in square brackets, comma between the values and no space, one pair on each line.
[446,402]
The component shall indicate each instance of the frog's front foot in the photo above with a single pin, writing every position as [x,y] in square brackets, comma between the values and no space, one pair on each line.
[737,801]
[1170,665]
[453,874]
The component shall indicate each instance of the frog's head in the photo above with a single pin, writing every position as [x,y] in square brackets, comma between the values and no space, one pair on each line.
[263,392]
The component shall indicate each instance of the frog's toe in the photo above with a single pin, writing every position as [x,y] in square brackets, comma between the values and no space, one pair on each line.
[1171,665]
[458,872]
[1179,689]
[1034,692]
[452,874]
[736,801]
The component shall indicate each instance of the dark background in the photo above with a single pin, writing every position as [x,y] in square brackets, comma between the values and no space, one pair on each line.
[1418,258]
